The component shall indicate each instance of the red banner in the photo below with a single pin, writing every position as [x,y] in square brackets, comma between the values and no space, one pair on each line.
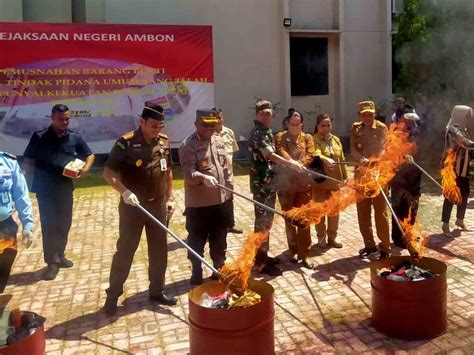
[104,73]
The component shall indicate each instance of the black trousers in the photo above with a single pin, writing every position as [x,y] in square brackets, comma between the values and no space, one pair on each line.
[207,224]
[131,224]
[463,184]
[8,231]
[263,221]
[229,207]
[56,216]
[402,209]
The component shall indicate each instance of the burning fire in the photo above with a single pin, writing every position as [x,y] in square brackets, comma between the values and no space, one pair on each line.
[7,243]
[237,273]
[379,171]
[415,240]
[448,178]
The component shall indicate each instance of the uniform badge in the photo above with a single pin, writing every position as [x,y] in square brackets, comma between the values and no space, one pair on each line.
[205,163]
[139,163]
[359,145]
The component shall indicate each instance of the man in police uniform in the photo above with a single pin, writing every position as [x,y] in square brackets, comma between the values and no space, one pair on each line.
[139,167]
[262,156]
[45,157]
[367,139]
[13,192]
[231,147]
[205,164]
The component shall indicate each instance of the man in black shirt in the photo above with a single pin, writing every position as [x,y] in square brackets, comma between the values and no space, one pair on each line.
[45,157]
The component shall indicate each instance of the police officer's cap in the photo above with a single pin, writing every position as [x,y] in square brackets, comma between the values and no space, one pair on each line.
[207,116]
[153,111]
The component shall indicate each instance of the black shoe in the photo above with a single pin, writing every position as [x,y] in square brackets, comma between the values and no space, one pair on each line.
[66,263]
[196,280]
[51,272]
[271,270]
[110,306]
[235,230]
[383,255]
[307,264]
[366,253]
[163,298]
[214,276]
[272,261]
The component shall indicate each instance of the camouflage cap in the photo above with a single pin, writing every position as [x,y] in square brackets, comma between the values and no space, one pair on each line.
[264,105]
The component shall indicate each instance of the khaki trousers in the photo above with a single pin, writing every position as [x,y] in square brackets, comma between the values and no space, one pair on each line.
[328,225]
[364,215]
[299,239]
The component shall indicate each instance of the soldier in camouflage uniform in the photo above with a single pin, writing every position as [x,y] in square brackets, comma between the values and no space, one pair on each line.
[262,156]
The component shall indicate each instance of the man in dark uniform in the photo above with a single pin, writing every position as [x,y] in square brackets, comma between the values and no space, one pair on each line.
[262,156]
[206,163]
[139,167]
[45,157]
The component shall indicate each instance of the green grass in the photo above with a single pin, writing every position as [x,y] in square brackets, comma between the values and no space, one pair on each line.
[95,182]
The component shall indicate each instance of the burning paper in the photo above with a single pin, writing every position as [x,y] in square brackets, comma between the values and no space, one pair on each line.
[6,243]
[379,170]
[406,271]
[236,274]
[229,300]
[448,178]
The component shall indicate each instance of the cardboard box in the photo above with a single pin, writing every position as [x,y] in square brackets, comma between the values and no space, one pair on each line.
[73,168]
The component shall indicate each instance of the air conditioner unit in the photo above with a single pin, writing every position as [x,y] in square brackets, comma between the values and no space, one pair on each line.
[397,6]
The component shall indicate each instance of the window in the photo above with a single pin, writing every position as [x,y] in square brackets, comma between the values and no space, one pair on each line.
[309,66]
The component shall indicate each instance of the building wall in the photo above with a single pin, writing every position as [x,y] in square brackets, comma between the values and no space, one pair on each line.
[251,46]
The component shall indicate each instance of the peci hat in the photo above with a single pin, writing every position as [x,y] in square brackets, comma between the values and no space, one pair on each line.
[366,106]
[207,116]
[264,105]
[153,111]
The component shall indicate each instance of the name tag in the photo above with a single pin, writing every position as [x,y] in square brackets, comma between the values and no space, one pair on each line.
[163,164]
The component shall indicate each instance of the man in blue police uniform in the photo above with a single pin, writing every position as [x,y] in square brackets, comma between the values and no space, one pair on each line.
[45,157]
[13,193]
[139,168]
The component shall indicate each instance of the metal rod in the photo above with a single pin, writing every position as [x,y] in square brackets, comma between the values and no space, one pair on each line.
[250,200]
[314,173]
[390,207]
[346,163]
[428,175]
[175,237]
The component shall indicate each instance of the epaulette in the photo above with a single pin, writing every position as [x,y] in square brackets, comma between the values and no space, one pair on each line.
[162,135]
[128,135]
[8,155]
[358,123]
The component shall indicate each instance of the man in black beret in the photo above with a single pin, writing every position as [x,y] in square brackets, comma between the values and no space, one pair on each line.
[139,167]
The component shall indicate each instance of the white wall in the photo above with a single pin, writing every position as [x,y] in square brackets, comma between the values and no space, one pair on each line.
[47,11]
[314,14]
[11,11]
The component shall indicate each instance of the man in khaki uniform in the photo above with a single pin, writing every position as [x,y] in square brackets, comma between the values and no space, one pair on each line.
[367,139]
[205,164]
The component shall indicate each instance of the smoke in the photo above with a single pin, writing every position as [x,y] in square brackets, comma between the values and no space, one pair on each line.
[434,52]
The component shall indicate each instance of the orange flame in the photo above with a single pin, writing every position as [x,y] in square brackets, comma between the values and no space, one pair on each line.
[7,243]
[379,171]
[237,273]
[414,239]
[448,178]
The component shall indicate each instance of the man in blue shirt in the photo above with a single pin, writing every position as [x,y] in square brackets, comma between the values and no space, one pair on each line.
[45,157]
[13,190]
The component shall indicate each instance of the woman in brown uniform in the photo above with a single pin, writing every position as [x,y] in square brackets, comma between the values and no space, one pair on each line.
[328,148]
[294,189]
